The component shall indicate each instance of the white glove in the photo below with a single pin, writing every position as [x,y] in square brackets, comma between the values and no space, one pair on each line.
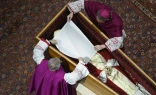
[112,62]
[103,77]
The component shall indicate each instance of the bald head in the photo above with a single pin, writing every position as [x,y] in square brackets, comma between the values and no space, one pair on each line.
[54,63]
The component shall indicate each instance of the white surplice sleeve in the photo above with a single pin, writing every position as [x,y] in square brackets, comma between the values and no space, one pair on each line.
[79,73]
[114,43]
[76,6]
[38,52]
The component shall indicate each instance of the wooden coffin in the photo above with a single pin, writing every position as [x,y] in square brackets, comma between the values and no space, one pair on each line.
[91,82]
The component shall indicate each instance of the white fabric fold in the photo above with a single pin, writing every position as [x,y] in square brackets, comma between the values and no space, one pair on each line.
[73,43]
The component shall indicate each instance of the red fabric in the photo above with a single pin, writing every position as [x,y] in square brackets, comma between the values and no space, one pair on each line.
[115,87]
[139,77]
[107,56]
[95,72]
[45,41]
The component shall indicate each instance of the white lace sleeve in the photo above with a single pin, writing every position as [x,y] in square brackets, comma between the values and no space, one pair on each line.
[114,43]
[38,52]
[79,72]
[76,6]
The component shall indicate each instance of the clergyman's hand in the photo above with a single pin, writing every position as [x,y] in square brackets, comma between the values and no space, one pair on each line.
[81,60]
[53,42]
[70,16]
[99,47]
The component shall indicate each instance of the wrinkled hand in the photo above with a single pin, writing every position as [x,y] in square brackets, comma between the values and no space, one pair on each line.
[99,47]
[70,16]
[53,42]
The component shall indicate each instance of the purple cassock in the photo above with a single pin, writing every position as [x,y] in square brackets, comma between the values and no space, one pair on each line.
[113,27]
[46,82]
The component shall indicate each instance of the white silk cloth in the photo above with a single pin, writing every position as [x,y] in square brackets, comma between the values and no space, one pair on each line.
[73,43]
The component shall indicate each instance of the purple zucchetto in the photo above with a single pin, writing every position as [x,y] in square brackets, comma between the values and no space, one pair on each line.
[104,13]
